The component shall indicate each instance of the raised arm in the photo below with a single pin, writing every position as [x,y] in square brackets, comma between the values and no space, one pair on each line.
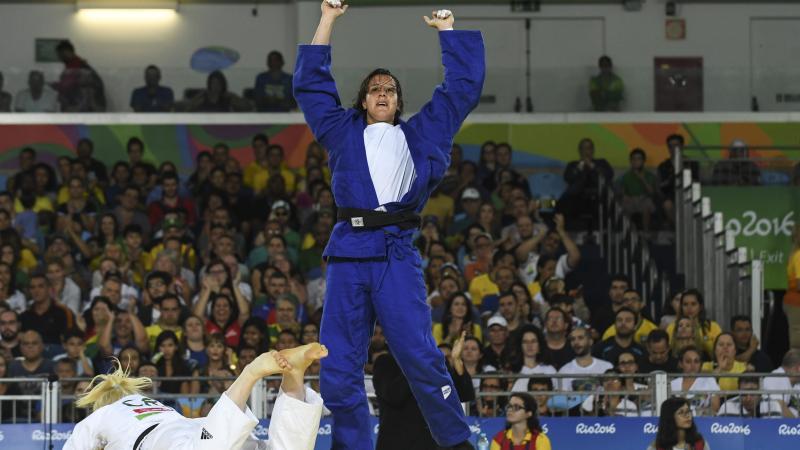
[463,58]
[313,85]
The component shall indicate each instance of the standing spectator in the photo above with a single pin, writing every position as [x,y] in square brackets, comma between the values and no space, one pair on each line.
[38,97]
[692,307]
[260,164]
[676,429]
[689,361]
[48,317]
[9,335]
[606,89]
[583,177]
[666,175]
[583,365]
[786,378]
[84,150]
[747,350]
[557,326]
[548,244]
[737,170]
[791,299]
[623,340]
[5,97]
[658,354]
[80,88]
[638,187]
[152,97]
[273,90]
[216,97]
[129,213]
[530,356]
[522,426]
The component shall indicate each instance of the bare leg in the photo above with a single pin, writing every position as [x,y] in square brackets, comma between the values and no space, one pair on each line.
[299,358]
[266,364]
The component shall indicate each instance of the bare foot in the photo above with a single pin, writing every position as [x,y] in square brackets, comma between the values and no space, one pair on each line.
[301,357]
[268,363]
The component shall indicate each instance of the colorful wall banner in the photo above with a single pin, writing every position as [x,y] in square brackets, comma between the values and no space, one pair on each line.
[565,433]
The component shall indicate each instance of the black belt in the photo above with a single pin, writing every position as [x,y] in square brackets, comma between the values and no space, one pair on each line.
[142,436]
[368,218]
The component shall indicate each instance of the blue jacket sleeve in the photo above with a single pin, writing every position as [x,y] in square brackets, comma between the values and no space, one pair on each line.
[315,93]
[464,71]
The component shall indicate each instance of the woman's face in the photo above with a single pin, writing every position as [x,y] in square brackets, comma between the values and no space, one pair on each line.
[626,363]
[215,351]
[486,213]
[725,347]
[275,245]
[7,254]
[5,274]
[107,225]
[691,306]
[130,359]
[488,154]
[447,287]
[41,178]
[458,309]
[310,334]
[683,417]
[325,198]
[168,348]
[515,411]
[691,362]
[194,328]
[548,270]
[100,313]
[252,336]
[221,311]
[685,329]
[530,345]
[470,352]
[114,252]
[121,174]
[219,273]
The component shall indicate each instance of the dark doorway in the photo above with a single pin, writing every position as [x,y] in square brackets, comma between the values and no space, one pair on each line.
[679,84]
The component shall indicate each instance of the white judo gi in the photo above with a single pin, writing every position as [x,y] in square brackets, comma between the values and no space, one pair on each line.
[294,426]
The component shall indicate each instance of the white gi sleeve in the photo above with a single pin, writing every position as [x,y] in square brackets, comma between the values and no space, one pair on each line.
[83,436]
[295,424]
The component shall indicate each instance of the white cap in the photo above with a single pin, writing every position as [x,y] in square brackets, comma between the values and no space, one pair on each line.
[470,194]
[497,320]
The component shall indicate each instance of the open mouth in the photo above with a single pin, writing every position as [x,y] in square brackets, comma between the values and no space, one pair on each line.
[384,104]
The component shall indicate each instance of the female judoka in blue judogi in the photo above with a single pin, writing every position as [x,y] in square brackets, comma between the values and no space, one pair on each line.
[384,169]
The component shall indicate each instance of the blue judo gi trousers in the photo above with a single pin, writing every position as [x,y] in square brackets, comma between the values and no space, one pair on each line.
[391,290]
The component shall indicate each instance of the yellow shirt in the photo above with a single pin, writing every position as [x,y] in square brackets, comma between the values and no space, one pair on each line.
[480,287]
[642,331]
[63,195]
[727,384]
[154,330]
[258,177]
[708,336]
[792,296]
[542,441]
[438,333]
[186,251]
[43,203]
[441,206]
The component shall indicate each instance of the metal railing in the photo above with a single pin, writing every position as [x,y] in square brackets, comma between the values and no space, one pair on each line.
[707,255]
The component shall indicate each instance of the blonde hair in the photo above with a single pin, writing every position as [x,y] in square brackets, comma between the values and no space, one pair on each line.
[111,387]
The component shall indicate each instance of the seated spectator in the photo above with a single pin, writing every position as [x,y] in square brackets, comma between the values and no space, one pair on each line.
[753,405]
[659,358]
[529,356]
[273,166]
[194,342]
[584,365]
[623,340]
[556,244]
[168,307]
[225,318]
[80,88]
[689,361]
[606,89]
[583,176]
[747,350]
[255,334]
[687,334]
[130,358]
[522,428]
[33,364]
[499,352]
[152,97]
[557,326]
[737,170]
[216,97]
[273,89]
[457,318]
[670,310]
[638,188]
[120,294]
[285,318]
[171,201]
[441,206]
[38,98]
[9,294]
[567,304]
[542,384]
[488,402]
[626,364]
[485,288]
[471,355]
[170,363]
[7,412]
[692,307]
[632,300]
[509,309]
[75,351]
[785,378]
[47,316]
[219,356]
[286,339]
[5,97]
[66,291]
[481,260]
[467,210]
[666,176]
[607,403]
[10,334]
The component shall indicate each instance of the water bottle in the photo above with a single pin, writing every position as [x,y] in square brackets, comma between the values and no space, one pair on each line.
[483,442]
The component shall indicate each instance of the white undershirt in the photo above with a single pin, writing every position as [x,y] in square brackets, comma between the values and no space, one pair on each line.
[389,159]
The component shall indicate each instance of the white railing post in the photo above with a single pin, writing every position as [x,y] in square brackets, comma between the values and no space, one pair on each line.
[258,399]
[756,296]
[51,392]
[661,390]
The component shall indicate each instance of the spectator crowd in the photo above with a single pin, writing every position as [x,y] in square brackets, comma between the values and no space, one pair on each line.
[187,276]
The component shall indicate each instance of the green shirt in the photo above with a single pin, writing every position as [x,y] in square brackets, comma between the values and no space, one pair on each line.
[606,92]
[632,186]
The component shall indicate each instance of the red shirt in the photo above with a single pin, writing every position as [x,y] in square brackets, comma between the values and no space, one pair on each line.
[231,334]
